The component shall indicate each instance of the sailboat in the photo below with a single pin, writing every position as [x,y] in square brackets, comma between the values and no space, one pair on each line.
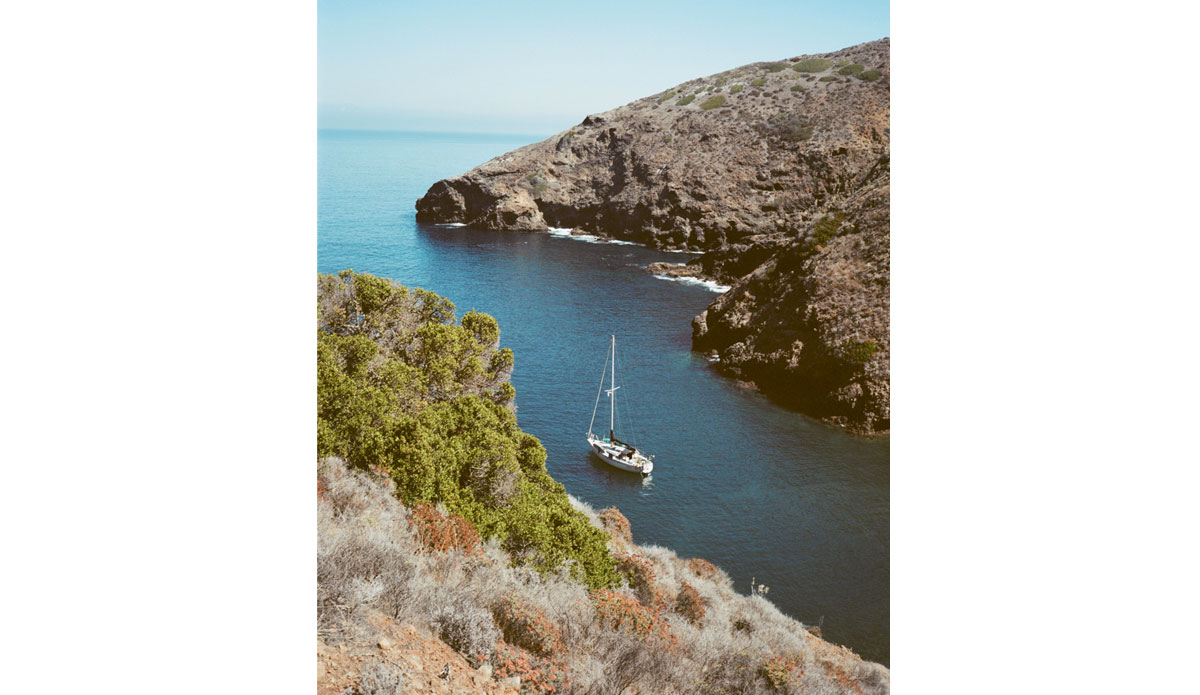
[611,450]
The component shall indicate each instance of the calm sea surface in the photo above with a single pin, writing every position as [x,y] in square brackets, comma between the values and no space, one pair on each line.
[762,492]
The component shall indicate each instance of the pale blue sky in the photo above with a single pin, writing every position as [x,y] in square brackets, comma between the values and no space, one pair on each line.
[540,67]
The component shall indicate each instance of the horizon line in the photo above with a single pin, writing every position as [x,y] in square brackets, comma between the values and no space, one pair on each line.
[434,132]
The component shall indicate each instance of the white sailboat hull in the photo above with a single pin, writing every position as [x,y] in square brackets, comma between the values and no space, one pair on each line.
[620,457]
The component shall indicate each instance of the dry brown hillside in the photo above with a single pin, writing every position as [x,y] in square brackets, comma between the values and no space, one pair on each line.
[778,172]
[400,612]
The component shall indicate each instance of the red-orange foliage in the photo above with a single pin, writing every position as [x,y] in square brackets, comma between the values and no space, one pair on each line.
[641,576]
[689,604]
[538,675]
[781,670]
[527,626]
[842,678]
[616,524]
[439,533]
[321,491]
[625,613]
[703,568]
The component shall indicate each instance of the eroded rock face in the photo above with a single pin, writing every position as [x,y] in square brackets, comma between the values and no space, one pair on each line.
[754,166]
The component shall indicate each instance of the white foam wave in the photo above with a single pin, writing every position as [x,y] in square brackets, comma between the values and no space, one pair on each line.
[589,238]
[707,284]
[451,224]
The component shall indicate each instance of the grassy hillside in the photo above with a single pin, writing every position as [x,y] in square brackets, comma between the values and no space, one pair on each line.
[450,561]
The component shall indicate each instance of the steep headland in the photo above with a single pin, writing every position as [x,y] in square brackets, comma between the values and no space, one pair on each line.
[778,172]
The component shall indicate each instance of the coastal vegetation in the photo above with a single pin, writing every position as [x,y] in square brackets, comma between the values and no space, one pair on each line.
[446,550]
[812,65]
[686,100]
[713,102]
[404,386]
[378,579]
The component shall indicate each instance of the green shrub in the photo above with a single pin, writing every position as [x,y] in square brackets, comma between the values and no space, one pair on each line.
[858,351]
[686,100]
[825,229]
[797,88]
[852,69]
[792,128]
[401,385]
[869,75]
[776,67]
[812,65]
[759,82]
[735,89]
[713,102]
[827,78]
[667,96]
[721,81]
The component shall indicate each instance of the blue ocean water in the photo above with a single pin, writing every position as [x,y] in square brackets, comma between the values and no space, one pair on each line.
[762,492]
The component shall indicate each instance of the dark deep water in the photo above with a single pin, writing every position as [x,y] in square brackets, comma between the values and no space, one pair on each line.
[760,491]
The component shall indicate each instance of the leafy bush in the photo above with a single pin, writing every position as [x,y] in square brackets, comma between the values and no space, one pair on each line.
[624,613]
[759,82]
[686,100]
[641,577]
[689,604]
[827,78]
[713,102]
[526,626]
[858,351]
[869,75]
[703,568]
[400,384]
[812,65]
[538,675]
[616,524]
[379,678]
[736,88]
[825,229]
[852,69]
[797,88]
[720,81]
[440,533]
[776,67]
[779,671]
[667,96]
[466,627]
[792,127]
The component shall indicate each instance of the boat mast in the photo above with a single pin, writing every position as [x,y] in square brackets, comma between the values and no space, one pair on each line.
[612,397]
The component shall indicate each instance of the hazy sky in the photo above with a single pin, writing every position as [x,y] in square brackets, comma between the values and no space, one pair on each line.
[540,67]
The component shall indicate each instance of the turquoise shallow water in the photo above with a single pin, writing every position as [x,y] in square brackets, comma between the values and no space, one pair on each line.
[763,492]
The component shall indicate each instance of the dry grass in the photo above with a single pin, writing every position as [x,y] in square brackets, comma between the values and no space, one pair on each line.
[370,559]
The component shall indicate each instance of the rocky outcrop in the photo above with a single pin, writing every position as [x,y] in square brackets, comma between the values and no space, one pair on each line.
[778,172]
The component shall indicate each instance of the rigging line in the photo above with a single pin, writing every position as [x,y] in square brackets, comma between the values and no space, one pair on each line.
[595,407]
[627,423]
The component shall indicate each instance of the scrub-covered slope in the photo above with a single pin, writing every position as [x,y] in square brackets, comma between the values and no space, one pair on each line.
[779,172]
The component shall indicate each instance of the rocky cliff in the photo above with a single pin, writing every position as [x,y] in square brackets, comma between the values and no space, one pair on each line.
[778,173]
